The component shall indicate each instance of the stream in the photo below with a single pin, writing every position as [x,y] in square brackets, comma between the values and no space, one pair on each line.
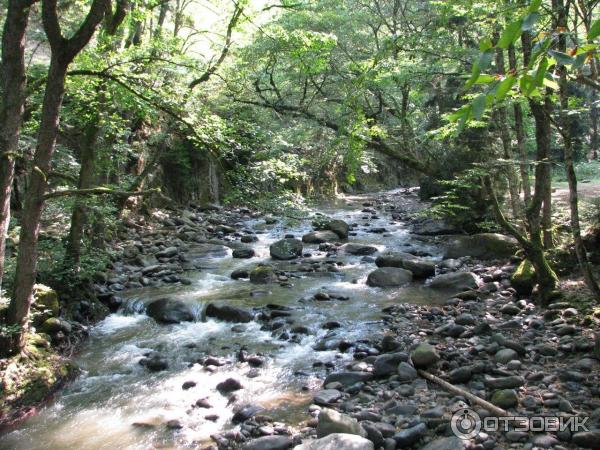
[117,403]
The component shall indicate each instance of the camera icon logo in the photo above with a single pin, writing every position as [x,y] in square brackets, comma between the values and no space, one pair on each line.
[465,423]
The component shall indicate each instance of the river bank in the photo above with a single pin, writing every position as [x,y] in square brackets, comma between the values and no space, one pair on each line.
[333,327]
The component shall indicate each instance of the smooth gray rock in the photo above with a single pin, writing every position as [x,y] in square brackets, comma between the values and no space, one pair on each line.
[387,364]
[166,310]
[455,282]
[447,443]
[424,355]
[337,441]
[347,378]
[389,277]
[319,237]
[481,246]
[228,313]
[330,422]
[269,443]
[286,249]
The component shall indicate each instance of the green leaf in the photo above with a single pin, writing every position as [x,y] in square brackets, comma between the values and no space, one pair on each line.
[478,106]
[529,21]
[541,71]
[485,44]
[594,30]
[548,82]
[534,6]
[510,34]
[562,58]
[504,86]
[527,85]
[484,79]
[485,60]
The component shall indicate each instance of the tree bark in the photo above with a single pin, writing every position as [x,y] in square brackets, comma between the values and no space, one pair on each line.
[580,250]
[63,52]
[520,135]
[13,80]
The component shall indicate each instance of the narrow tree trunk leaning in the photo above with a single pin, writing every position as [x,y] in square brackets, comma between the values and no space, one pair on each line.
[565,131]
[11,107]
[520,135]
[501,115]
[63,52]
[532,245]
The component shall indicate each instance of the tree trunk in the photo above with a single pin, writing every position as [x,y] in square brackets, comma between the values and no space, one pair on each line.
[86,181]
[502,120]
[520,135]
[18,310]
[63,52]
[569,165]
[11,108]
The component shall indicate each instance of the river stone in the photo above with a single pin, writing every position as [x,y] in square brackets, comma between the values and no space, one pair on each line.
[337,441]
[327,396]
[243,253]
[269,443]
[339,227]
[263,275]
[154,363]
[386,365]
[286,249]
[166,310]
[228,313]
[358,249]
[54,325]
[505,398]
[319,237]
[229,385]
[406,372]
[455,282]
[246,412]
[331,422]
[419,267]
[389,277]
[424,355]
[168,252]
[347,378]
[510,382]
[460,375]
[505,355]
[409,436]
[447,443]
[481,246]
[587,439]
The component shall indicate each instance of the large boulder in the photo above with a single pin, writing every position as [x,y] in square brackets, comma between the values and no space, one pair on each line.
[166,310]
[481,246]
[228,313]
[524,278]
[319,237]
[339,227]
[286,249]
[389,277]
[338,441]
[347,378]
[331,422]
[359,249]
[387,364]
[45,300]
[420,268]
[262,275]
[455,282]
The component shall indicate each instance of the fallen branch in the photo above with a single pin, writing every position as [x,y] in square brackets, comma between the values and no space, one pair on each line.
[99,191]
[498,412]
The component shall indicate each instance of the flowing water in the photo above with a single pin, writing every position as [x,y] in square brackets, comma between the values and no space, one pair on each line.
[116,403]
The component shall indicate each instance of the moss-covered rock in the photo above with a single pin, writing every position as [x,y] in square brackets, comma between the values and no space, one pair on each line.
[524,278]
[263,275]
[54,325]
[482,246]
[505,398]
[45,304]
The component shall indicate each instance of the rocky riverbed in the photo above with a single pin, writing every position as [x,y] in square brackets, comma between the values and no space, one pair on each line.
[230,329]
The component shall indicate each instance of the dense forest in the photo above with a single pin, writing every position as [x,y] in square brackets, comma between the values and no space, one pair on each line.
[309,224]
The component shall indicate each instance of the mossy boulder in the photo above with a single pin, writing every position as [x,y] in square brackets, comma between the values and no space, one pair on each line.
[286,249]
[54,325]
[424,356]
[45,304]
[524,278]
[505,398]
[262,275]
